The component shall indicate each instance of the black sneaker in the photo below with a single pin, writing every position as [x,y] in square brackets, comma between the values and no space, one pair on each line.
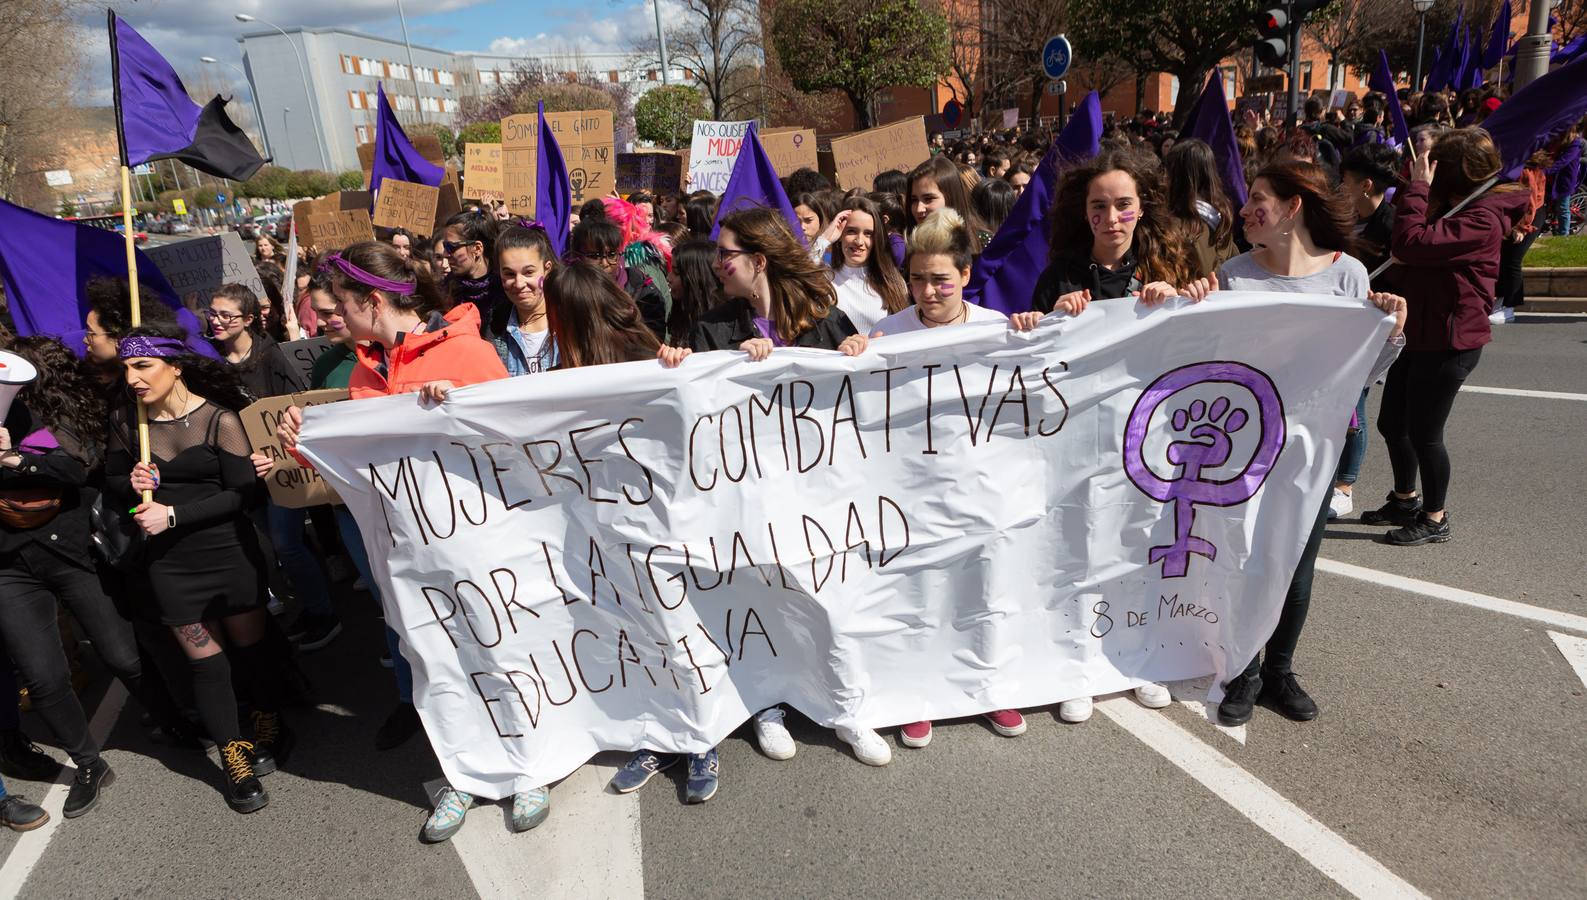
[1239,697]
[272,742]
[1421,531]
[244,793]
[403,723]
[21,758]
[17,814]
[1283,693]
[317,632]
[84,792]
[1394,512]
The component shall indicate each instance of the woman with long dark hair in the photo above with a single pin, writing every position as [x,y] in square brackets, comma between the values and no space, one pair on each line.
[518,328]
[1197,204]
[936,183]
[1302,231]
[868,284]
[469,244]
[694,287]
[205,569]
[1448,268]
[993,199]
[592,321]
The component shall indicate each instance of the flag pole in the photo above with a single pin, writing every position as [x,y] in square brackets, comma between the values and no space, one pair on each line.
[1481,189]
[127,234]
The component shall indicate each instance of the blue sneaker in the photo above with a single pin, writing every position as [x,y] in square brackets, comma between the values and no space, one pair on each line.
[450,808]
[640,768]
[703,772]
[530,808]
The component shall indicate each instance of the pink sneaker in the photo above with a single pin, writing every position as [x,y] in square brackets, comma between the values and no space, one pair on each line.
[915,734]
[1007,722]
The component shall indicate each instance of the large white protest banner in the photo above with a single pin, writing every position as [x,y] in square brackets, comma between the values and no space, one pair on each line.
[959,520]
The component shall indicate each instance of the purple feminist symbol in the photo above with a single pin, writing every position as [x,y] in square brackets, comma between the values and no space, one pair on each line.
[1205,445]
[799,139]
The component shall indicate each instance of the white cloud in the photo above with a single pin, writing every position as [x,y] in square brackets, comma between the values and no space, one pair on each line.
[629,26]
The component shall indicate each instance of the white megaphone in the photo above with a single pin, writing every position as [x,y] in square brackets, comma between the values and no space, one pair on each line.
[15,374]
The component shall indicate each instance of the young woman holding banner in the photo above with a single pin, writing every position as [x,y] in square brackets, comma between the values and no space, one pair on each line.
[205,570]
[1301,230]
[777,297]
[867,282]
[404,344]
[939,260]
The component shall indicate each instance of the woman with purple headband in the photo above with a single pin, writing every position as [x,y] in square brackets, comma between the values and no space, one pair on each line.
[201,555]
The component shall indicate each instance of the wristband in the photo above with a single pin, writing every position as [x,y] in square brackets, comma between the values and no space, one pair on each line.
[170,517]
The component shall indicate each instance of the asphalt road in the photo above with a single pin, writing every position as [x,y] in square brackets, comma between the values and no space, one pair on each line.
[1448,759]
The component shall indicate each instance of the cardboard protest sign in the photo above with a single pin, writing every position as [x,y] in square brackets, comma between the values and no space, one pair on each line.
[603,559]
[292,484]
[587,141]
[300,356]
[482,172]
[857,159]
[789,149]
[197,266]
[712,152]
[428,145]
[659,171]
[333,221]
[403,204]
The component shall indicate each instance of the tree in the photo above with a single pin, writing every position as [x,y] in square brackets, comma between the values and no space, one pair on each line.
[1572,16]
[860,47]
[444,135]
[350,181]
[532,81]
[665,115]
[1014,33]
[480,133]
[40,54]
[1183,38]
[718,42]
[1392,28]
[68,208]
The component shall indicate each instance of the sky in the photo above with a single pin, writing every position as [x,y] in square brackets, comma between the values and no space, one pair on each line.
[184,30]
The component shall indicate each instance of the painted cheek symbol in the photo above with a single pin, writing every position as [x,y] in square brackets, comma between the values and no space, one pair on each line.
[1096,220]
[1260,216]
[1127,217]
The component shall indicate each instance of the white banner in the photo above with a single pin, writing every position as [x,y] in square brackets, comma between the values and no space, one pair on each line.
[712,152]
[960,520]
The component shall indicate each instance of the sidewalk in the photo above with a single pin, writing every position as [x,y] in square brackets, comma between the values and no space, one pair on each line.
[1556,290]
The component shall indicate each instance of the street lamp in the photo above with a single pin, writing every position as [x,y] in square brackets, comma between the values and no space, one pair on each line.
[257,113]
[1421,7]
[303,72]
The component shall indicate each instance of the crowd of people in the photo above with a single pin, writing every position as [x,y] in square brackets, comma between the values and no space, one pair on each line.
[178,596]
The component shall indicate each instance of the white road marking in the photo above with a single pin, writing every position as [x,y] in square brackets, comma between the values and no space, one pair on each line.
[1192,694]
[1574,649]
[588,848]
[1310,839]
[1553,315]
[1516,392]
[1550,617]
[30,846]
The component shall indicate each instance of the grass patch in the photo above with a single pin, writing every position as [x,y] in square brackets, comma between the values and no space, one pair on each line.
[1558,252]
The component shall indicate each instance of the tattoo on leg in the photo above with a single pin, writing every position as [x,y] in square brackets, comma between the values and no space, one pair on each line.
[196,634]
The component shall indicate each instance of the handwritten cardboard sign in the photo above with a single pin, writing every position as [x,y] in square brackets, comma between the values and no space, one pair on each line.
[655,171]
[587,141]
[333,221]
[789,149]
[402,204]
[300,357]
[482,172]
[857,159]
[428,145]
[291,484]
[712,152]
[196,267]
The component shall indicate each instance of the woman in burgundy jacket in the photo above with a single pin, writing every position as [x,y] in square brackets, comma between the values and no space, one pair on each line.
[1447,271]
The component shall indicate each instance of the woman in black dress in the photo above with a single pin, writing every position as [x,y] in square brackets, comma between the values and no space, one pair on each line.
[205,569]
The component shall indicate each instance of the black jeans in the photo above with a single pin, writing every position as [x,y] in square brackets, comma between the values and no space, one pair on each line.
[1417,397]
[1280,651]
[32,580]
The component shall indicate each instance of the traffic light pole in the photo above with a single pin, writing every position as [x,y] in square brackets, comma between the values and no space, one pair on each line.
[1294,63]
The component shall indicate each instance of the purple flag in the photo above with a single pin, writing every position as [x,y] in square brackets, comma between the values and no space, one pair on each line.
[553,193]
[1537,114]
[1498,38]
[155,119]
[1212,125]
[754,183]
[1382,80]
[46,264]
[395,157]
[1446,60]
[1004,277]
[1570,52]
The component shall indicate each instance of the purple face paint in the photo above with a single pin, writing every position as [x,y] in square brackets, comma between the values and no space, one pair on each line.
[1260,215]
[1127,217]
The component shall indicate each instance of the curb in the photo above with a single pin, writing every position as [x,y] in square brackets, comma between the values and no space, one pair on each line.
[1562,282]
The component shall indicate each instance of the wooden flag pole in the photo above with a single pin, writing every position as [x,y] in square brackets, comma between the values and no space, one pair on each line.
[137,307]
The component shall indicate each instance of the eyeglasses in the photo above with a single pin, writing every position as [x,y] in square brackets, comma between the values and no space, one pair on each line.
[611,257]
[723,254]
[224,318]
[452,246]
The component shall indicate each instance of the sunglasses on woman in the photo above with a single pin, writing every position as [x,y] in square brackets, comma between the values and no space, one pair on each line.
[454,246]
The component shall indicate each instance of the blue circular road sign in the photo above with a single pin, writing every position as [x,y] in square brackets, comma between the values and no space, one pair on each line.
[1056,56]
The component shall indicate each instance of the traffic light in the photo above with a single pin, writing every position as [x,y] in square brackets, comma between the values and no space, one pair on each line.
[1273,49]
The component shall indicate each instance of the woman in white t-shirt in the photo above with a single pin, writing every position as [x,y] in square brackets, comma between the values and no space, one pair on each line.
[938,259]
[868,284]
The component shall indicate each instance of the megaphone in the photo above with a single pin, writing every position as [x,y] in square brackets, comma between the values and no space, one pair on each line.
[15,374]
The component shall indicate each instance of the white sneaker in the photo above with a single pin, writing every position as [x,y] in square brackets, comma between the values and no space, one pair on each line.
[1076,710]
[1154,696]
[1340,504]
[868,746]
[772,736]
[1502,315]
